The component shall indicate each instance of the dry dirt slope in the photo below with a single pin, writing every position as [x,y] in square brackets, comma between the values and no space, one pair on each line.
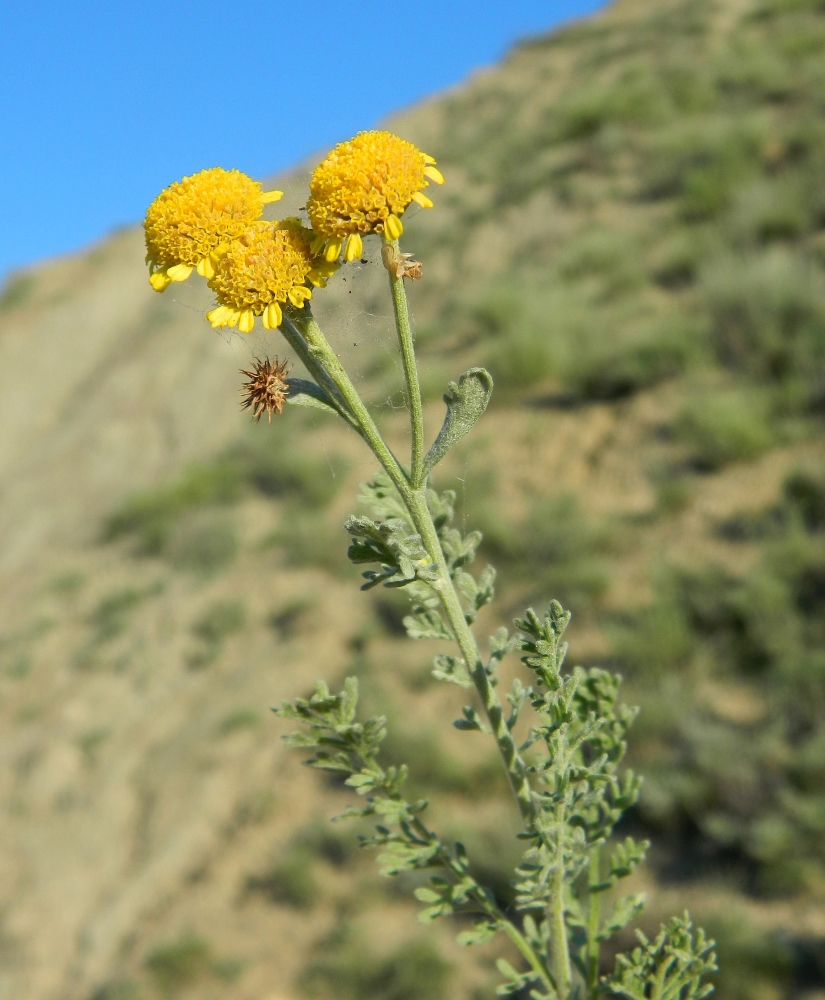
[149,814]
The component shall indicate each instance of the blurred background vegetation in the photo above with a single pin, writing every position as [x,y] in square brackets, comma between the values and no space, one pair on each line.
[632,240]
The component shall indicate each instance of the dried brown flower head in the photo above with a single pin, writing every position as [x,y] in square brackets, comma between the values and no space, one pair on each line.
[266,390]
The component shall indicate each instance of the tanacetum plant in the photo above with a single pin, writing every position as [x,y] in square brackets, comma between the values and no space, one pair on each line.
[565,766]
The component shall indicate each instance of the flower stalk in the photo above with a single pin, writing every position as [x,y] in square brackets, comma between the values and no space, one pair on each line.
[405,340]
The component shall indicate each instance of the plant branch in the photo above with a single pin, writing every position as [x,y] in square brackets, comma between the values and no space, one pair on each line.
[514,765]
[296,341]
[405,339]
[593,913]
[323,354]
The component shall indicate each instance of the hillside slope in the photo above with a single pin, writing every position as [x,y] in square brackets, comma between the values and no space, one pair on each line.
[632,239]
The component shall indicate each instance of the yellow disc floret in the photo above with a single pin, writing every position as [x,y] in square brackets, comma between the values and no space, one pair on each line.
[268,266]
[191,222]
[362,187]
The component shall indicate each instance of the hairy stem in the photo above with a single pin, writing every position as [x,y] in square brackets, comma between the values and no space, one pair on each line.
[529,954]
[405,339]
[593,914]
[559,949]
[514,765]
[322,354]
[296,341]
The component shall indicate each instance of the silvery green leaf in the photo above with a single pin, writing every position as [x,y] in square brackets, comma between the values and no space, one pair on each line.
[424,623]
[674,964]
[624,911]
[480,934]
[466,401]
[472,721]
[302,392]
[453,669]
[300,740]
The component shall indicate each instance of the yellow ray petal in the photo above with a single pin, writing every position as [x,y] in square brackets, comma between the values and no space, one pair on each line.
[434,174]
[217,317]
[429,160]
[269,196]
[232,317]
[272,317]
[180,272]
[354,248]
[333,250]
[247,321]
[206,268]
[393,227]
[421,199]
[160,280]
[298,295]
[317,245]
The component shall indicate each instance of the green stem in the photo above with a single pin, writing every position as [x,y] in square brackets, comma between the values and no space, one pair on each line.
[559,948]
[323,354]
[529,954]
[593,915]
[296,341]
[405,339]
[514,765]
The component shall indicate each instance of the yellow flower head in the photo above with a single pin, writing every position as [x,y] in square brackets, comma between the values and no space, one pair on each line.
[363,186]
[270,264]
[189,223]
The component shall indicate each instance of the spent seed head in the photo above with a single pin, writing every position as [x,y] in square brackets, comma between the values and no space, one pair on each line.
[266,389]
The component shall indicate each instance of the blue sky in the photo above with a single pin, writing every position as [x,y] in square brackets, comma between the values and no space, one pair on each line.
[105,103]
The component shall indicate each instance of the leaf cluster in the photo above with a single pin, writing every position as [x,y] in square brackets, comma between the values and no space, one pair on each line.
[392,541]
[575,745]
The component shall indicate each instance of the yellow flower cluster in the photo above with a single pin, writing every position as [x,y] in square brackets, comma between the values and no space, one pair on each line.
[211,222]
[363,186]
[269,265]
[190,223]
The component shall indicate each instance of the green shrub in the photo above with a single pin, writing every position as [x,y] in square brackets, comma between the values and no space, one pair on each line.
[177,965]
[91,741]
[16,291]
[804,493]
[216,623]
[203,543]
[724,426]
[434,769]
[182,521]
[150,515]
[620,369]
[111,616]
[306,540]
[768,316]
[336,845]
[751,962]
[415,971]
[119,989]
[655,641]
[291,882]
[67,584]
[769,210]
[556,548]
[242,718]
[275,468]
[286,620]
